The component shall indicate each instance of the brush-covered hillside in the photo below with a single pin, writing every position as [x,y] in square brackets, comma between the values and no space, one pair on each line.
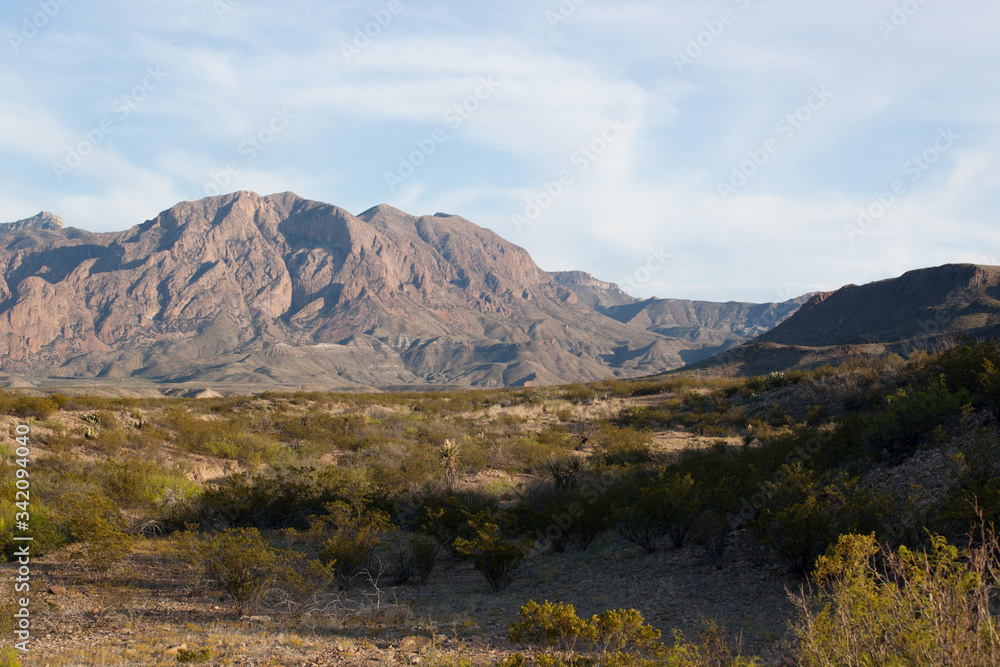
[639,522]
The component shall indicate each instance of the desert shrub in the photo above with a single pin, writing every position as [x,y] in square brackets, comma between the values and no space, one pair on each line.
[564,415]
[578,393]
[495,556]
[347,538]
[616,637]
[528,452]
[232,438]
[242,564]
[397,468]
[565,516]
[712,533]
[910,413]
[806,512]
[194,656]
[663,504]
[974,368]
[413,556]
[45,532]
[448,517]
[551,624]
[877,607]
[579,516]
[250,449]
[564,470]
[648,416]
[9,657]
[38,407]
[675,503]
[139,483]
[623,631]
[93,522]
[622,446]
[557,437]
[346,432]
[641,527]
[282,498]
[711,649]
[301,582]
[816,415]
[975,496]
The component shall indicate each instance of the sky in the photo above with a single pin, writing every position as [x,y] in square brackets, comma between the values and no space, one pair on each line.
[728,150]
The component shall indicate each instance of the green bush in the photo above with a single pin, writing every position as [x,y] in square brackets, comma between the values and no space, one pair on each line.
[283,497]
[139,483]
[622,446]
[447,518]
[45,532]
[806,512]
[496,557]
[194,656]
[712,649]
[876,607]
[37,407]
[616,637]
[578,393]
[975,496]
[667,504]
[641,527]
[551,624]
[93,522]
[347,539]
[9,657]
[675,503]
[242,564]
[574,516]
[974,369]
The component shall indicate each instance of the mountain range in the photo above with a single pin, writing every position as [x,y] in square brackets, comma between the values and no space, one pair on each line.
[243,291]
[925,309]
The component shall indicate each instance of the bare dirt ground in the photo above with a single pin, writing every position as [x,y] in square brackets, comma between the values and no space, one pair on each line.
[145,611]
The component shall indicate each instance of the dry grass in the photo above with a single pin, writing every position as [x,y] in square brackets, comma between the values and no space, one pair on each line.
[142,611]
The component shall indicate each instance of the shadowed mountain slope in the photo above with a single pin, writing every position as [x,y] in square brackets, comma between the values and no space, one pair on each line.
[922,309]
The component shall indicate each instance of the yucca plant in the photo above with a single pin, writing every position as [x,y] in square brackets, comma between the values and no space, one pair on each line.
[450,460]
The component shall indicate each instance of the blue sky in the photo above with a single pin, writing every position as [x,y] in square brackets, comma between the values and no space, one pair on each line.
[724,150]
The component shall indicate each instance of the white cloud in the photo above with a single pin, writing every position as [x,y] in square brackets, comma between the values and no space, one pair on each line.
[557,87]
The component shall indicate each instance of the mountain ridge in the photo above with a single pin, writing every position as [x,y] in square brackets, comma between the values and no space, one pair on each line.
[281,290]
[921,309]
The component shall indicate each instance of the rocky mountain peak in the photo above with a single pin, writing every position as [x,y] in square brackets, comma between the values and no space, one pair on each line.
[242,290]
[43,220]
